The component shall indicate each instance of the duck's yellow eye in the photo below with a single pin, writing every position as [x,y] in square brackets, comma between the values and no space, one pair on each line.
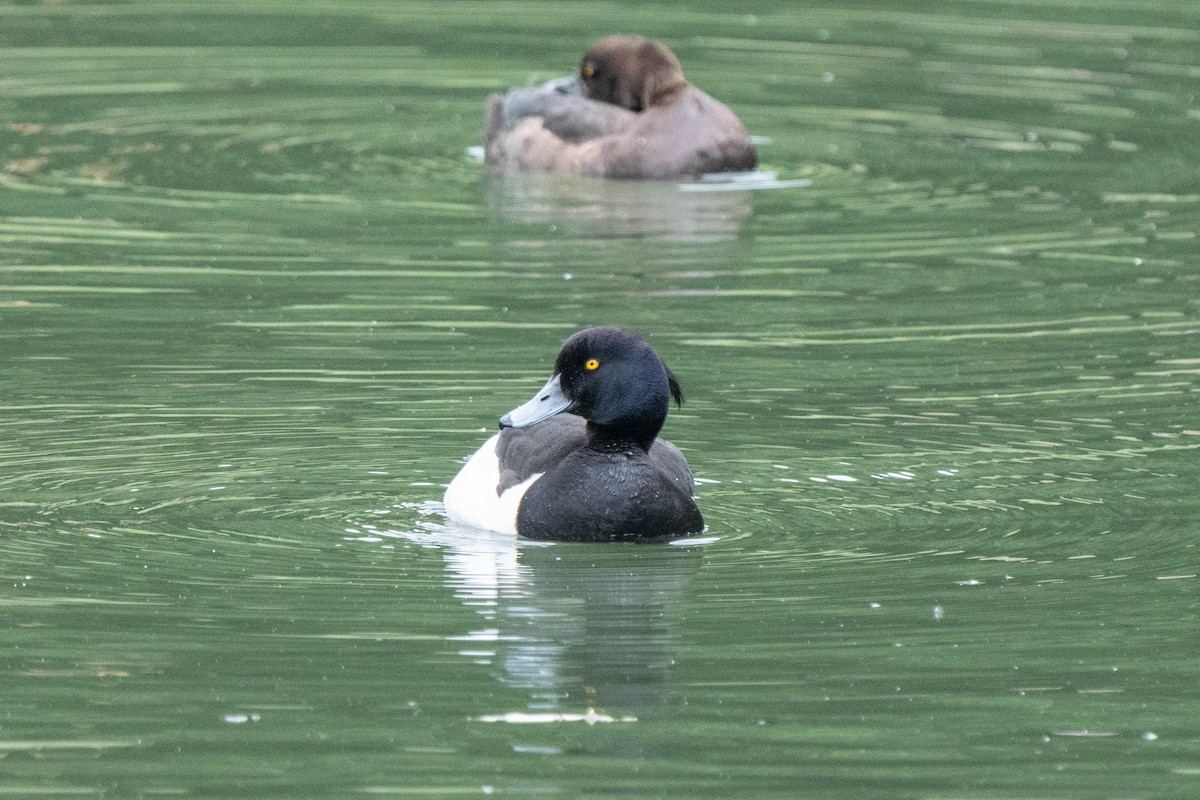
[591,363]
[588,71]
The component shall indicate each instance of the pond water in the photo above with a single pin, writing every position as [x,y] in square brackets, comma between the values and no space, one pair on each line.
[940,365]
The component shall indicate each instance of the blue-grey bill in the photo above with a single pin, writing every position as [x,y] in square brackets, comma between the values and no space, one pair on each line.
[568,84]
[545,404]
[530,101]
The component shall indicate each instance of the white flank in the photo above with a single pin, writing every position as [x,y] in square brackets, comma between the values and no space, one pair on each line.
[471,497]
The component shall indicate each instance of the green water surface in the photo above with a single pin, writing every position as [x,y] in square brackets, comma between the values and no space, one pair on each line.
[257,302]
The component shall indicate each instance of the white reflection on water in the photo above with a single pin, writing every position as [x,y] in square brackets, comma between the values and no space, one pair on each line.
[743,181]
[585,630]
[520,718]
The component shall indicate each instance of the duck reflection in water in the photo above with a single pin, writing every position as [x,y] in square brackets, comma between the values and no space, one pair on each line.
[576,626]
[595,213]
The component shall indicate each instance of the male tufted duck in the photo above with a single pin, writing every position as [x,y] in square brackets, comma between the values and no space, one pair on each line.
[628,113]
[581,461]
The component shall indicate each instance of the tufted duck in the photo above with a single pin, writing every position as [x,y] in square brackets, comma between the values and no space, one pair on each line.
[581,461]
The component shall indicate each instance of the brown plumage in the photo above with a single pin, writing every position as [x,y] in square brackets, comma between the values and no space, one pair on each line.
[629,113]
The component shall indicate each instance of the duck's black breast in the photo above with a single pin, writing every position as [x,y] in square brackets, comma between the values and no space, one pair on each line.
[607,495]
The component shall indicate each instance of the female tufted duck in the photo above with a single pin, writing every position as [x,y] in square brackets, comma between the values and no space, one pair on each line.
[628,113]
[581,461]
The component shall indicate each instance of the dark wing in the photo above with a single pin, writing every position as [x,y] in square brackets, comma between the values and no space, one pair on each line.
[668,459]
[578,119]
[571,117]
[524,452]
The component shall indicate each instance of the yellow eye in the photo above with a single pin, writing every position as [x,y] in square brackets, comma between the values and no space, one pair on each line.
[588,71]
[591,363]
